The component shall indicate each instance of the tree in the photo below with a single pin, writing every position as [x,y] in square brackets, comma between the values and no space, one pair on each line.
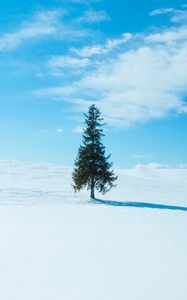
[92,167]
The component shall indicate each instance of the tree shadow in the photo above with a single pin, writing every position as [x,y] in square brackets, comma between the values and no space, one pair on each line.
[140,205]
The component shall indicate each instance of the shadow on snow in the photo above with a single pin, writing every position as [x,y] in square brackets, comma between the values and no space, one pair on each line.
[139,205]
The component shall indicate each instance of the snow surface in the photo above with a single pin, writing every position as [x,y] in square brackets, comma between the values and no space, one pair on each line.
[57,245]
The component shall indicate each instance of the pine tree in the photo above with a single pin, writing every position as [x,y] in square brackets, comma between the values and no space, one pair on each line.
[92,167]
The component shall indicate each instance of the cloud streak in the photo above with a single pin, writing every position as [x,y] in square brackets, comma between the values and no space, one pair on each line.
[60,64]
[92,16]
[105,48]
[176,15]
[43,24]
[87,2]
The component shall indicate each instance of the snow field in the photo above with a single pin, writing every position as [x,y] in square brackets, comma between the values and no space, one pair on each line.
[57,245]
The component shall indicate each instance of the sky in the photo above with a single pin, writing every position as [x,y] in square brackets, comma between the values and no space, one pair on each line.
[128,57]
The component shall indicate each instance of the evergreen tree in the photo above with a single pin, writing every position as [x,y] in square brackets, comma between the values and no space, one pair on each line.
[92,167]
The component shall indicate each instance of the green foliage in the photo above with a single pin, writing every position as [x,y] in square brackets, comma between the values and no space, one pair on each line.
[92,167]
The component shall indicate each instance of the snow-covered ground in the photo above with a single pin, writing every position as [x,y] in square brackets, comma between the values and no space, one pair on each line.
[55,245]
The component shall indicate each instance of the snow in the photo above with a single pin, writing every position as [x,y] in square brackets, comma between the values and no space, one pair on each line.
[55,244]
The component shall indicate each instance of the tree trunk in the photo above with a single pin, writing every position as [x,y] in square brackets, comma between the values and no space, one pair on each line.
[92,194]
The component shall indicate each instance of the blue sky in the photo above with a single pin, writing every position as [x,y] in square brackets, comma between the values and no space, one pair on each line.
[127,57]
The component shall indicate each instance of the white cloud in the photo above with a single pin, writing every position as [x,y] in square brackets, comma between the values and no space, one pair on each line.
[171,35]
[102,49]
[139,156]
[182,166]
[152,166]
[81,1]
[78,129]
[54,92]
[180,16]
[60,64]
[60,130]
[92,16]
[176,15]
[45,23]
[162,11]
[159,166]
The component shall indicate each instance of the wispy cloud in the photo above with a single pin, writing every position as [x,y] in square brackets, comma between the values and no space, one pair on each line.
[152,166]
[102,48]
[44,23]
[173,35]
[92,16]
[81,1]
[78,129]
[60,130]
[176,15]
[59,64]
[159,166]
[162,11]
[139,156]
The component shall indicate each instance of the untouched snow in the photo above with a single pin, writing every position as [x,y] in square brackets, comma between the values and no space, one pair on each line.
[54,245]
